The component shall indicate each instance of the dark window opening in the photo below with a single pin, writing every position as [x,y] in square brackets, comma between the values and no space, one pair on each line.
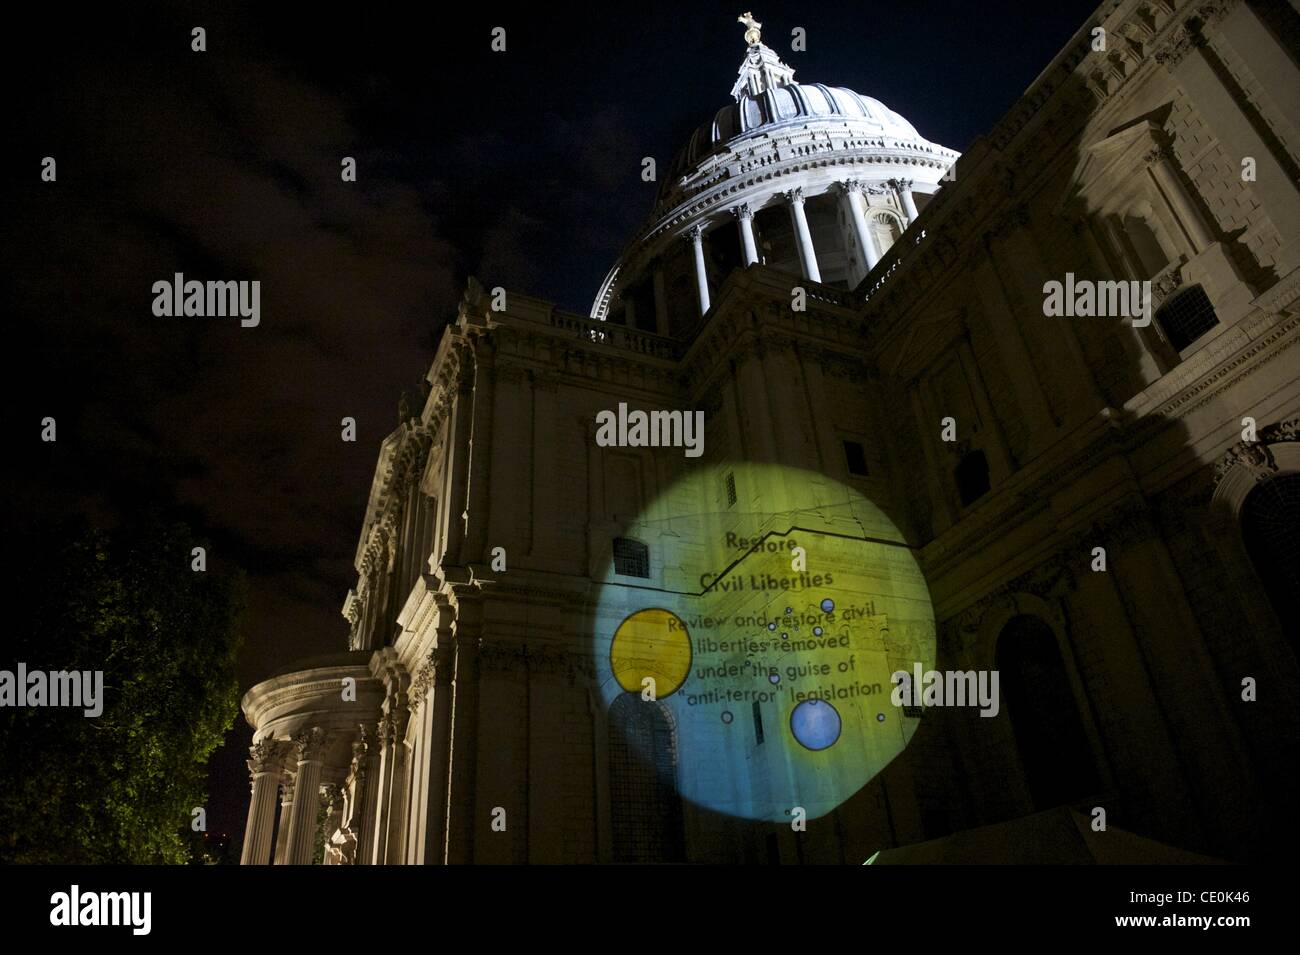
[643,301]
[972,477]
[758,724]
[646,810]
[1186,317]
[631,557]
[723,248]
[1269,519]
[731,488]
[856,456]
[1049,733]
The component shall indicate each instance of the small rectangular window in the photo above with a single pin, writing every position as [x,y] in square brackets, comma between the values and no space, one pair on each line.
[856,457]
[758,724]
[631,557]
[731,488]
[1186,317]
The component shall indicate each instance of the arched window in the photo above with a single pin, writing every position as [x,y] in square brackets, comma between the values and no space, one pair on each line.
[1270,526]
[886,230]
[1036,695]
[631,557]
[646,811]
[1186,317]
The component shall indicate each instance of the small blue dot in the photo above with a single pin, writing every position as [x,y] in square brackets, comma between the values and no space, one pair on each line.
[880,717]
[772,625]
[828,605]
[789,610]
[775,678]
[817,631]
[785,636]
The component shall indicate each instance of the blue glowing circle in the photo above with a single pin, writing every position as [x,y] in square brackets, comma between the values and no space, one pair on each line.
[789,610]
[880,717]
[774,678]
[815,724]
[772,625]
[817,631]
[726,716]
[828,605]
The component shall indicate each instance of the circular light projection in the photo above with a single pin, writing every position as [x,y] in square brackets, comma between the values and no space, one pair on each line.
[816,725]
[651,643]
[771,636]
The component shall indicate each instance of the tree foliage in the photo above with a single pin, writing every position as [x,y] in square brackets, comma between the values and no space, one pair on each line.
[119,787]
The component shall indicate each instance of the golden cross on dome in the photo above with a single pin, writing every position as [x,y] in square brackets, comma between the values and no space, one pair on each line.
[752,35]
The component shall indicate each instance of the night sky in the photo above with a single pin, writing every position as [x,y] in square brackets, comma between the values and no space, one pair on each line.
[522,168]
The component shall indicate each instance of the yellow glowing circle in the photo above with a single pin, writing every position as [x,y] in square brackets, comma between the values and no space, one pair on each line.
[651,643]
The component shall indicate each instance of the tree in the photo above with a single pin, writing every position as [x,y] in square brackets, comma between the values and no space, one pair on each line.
[119,787]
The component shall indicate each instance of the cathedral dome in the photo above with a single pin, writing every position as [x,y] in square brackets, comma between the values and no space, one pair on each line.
[818,180]
[794,104]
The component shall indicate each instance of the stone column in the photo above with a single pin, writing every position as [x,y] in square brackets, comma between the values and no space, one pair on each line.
[264,766]
[310,745]
[745,220]
[384,739]
[286,810]
[904,189]
[1131,338]
[398,790]
[480,463]
[696,236]
[544,528]
[760,440]
[936,473]
[1161,167]
[807,255]
[458,460]
[462,755]
[390,807]
[854,202]
[363,796]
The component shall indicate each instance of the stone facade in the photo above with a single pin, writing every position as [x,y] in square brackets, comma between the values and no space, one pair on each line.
[473,689]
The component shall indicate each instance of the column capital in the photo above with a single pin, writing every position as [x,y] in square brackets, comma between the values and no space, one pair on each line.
[695,233]
[264,757]
[853,185]
[902,184]
[795,195]
[743,211]
[310,744]
[1160,152]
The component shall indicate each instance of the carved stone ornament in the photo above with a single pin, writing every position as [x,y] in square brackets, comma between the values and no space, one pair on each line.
[264,756]
[310,744]
[1255,456]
